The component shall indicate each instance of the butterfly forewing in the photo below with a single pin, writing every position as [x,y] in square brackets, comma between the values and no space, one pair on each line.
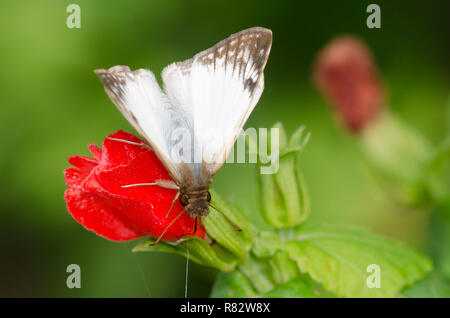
[139,98]
[220,87]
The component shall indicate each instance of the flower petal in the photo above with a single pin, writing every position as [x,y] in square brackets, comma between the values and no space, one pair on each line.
[98,215]
[115,153]
[98,201]
[96,151]
[147,206]
[81,170]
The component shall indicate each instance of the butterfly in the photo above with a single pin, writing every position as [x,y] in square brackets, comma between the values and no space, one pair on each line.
[194,121]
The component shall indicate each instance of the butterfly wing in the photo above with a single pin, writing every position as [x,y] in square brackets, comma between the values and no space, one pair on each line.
[139,98]
[219,87]
[209,97]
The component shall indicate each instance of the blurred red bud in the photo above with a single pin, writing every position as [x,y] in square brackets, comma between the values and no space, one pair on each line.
[346,74]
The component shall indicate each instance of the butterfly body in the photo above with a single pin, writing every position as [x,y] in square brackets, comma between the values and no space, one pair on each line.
[193,122]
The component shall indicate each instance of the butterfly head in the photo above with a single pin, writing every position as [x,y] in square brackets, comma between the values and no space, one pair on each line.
[196,202]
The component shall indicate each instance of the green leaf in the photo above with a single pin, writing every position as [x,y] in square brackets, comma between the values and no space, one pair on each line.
[232,285]
[295,288]
[299,138]
[266,244]
[398,156]
[282,268]
[396,148]
[259,274]
[438,174]
[237,285]
[440,238]
[224,231]
[199,251]
[297,142]
[434,286]
[338,257]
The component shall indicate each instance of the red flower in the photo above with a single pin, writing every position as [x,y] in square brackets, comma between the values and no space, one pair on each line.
[347,76]
[96,199]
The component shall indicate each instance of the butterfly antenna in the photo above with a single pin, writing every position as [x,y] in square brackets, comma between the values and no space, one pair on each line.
[237,228]
[168,226]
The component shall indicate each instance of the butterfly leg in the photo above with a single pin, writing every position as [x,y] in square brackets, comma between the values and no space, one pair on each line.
[206,238]
[173,203]
[188,234]
[168,226]
[168,184]
[142,144]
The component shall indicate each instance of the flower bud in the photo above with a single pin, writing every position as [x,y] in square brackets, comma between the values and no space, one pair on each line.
[346,74]
[283,197]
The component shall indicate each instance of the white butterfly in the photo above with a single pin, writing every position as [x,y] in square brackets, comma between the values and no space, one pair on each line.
[210,96]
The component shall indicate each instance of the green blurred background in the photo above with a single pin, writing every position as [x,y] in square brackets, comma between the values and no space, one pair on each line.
[53,105]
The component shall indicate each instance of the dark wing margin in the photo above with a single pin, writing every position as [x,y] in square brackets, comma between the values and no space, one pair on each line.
[114,81]
[139,98]
[246,52]
[234,69]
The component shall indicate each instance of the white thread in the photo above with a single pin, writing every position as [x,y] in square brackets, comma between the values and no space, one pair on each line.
[143,275]
[187,271]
